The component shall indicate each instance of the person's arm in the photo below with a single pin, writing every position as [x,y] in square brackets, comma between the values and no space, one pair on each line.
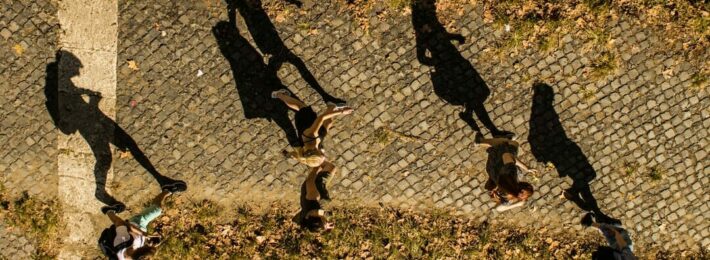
[522,166]
[312,131]
[117,221]
[136,231]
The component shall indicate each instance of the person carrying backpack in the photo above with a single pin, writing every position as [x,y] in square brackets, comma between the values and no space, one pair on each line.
[129,239]
[503,184]
[620,244]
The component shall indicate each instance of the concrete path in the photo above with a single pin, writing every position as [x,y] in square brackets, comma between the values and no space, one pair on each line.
[90,33]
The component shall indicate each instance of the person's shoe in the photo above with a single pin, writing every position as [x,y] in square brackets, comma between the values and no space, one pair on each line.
[116,208]
[504,134]
[508,206]
[337,105]
[276,93]
[588,219]
[175,187]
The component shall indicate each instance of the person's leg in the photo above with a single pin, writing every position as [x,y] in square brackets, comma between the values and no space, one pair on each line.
[158,200]
[290,101]
[151,212]
[115,219]
[102,153]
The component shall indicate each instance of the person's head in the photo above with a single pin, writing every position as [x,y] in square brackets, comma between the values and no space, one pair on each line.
[313,223]
[543,93]
[526,190]
[311,157]
[145,252]
[316,221]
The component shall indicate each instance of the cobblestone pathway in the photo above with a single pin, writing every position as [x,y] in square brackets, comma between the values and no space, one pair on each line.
[642,129]
[27,136]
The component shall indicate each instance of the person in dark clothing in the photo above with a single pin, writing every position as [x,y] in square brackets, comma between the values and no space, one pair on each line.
[454,78]
[312,215]
[502,168]
[71,113]
[549,144]
[620,244]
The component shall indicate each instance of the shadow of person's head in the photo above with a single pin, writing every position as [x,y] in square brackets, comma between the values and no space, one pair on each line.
[68,62]
[543,93]
[65,66]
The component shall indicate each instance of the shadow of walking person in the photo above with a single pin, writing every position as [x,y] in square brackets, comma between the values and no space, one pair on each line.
[267,39]
[454,78]
[254,82]
[71,113]
[549,144]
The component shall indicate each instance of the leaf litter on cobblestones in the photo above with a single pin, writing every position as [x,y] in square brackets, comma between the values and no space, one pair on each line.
[201,230]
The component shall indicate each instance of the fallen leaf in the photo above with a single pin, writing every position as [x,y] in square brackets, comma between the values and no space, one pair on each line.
[132,65]
[18,49]
[125,154]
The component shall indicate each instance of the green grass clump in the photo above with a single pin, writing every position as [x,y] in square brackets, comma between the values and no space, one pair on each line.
[656,173]
[605,64]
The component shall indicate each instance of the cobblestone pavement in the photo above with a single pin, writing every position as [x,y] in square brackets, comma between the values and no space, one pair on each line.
[642,129]
[27,139]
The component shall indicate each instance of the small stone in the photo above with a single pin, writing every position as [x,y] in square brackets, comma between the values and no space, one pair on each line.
[5,33]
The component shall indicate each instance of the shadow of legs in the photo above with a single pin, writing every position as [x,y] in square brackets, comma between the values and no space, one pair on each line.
[305,73]
[124,142]
[102,153]
[282,120]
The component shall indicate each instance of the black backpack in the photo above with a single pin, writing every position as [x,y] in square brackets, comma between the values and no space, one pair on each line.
[106,243]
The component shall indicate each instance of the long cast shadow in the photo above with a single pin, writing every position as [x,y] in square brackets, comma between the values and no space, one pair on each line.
[267,39]
[253,80]
[455,80]
[71,113]
[549,143]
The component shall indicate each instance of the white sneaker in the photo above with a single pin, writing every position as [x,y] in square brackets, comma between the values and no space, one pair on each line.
[505,207]
[276,93]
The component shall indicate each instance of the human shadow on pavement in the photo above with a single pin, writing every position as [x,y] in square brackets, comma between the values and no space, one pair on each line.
[71,113]
[549,144]
[455,80]
[254,82]
[267,39]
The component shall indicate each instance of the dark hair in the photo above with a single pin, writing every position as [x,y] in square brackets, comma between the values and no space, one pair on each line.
[313,223]
[524,186]
[603,253]
[144,252]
